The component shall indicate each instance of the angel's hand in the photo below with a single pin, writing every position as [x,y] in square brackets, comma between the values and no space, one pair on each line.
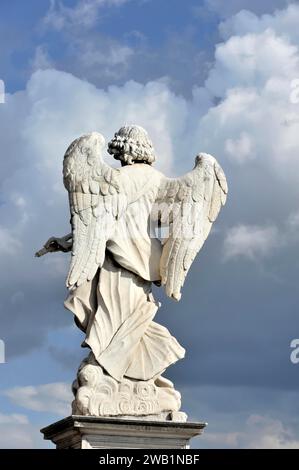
[56,244]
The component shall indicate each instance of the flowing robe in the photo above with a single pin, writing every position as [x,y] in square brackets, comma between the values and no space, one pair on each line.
[116,309]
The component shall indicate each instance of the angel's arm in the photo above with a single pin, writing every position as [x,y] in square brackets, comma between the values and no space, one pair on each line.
[54,244]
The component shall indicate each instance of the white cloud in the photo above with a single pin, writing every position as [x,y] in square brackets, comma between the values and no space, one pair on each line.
[18,433]
[13,419]
[282,22]
[250,241]
[253,241]
[248,61]
[117,55]
[85,13]
[228,8]
[255,86]
[240,149]
[41,59]
[259,432]
[111,59]
[87,52]
[52,398]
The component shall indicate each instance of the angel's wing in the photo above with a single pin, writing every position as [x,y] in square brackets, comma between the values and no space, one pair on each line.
[96,200]
[187,208]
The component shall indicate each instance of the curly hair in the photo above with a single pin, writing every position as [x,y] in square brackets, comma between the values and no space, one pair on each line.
[131,144]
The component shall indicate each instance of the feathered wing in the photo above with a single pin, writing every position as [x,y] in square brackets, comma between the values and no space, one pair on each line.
[97,199]
[187,208]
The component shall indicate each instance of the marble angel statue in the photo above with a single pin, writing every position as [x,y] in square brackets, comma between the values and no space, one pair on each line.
[131,227]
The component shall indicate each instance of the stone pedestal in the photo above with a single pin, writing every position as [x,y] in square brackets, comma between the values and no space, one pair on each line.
[89,432]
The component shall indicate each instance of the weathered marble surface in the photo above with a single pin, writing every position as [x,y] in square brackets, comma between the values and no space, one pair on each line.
[99,394]
[131,227]
[86,432]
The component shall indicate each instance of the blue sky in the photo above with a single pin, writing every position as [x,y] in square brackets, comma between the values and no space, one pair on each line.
[205,75]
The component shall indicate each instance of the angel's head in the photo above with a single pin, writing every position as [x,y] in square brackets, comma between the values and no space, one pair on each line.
[131,144]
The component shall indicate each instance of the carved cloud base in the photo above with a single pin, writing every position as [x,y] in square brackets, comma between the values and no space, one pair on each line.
[98,394]
[89,432]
